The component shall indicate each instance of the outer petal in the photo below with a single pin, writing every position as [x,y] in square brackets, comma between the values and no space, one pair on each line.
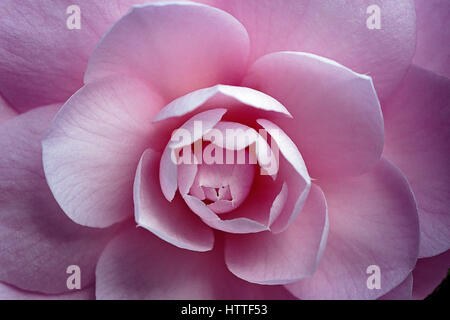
[93,146]
[336,111]
[429,273]
[433,32]
[41,60]
[37,241]
[402,292]
[237,99]
[10,293]
[178,47]
[373,221]
[294,254]
[6,112]
[336,30]
[137,265]
[172,222]
[417,140]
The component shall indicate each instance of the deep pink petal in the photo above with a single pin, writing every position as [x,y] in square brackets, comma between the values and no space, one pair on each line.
[137,265]
[373,221]
[93,147]
[41,60]
[336,113]
[433,32]
[429,273]
[171,221]
[177,47]
[402,292]
[417,141]
[6,112]
[336,30]
[37,240]
[11,293]
[236,99]
[294,254]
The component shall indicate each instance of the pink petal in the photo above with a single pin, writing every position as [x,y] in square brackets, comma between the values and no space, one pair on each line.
[10,293]
[178,47]
[373,221]
[239,101]
[93,146]
[278,204]
[333,29]
[336,111]
[433,32]
[264,203]
[172,222]
[237,178]
[267,200]
[293,172]
[252,216]
[417,141]
[429,273]
[401,292]
[41,60]
[37,241]
[168,169]
[186,177]
[208,119]
[6,112]
[168,174]
[137,265]
[249,135]
[266,258]
[235,225]
[237,136]
[287,148]
[267,20]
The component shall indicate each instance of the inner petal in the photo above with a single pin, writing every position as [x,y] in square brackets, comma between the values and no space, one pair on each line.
[223,186]
[215,194]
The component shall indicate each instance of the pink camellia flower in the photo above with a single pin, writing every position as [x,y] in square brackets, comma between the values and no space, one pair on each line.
[228,149]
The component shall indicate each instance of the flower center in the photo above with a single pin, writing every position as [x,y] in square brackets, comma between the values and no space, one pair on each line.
[223,187]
